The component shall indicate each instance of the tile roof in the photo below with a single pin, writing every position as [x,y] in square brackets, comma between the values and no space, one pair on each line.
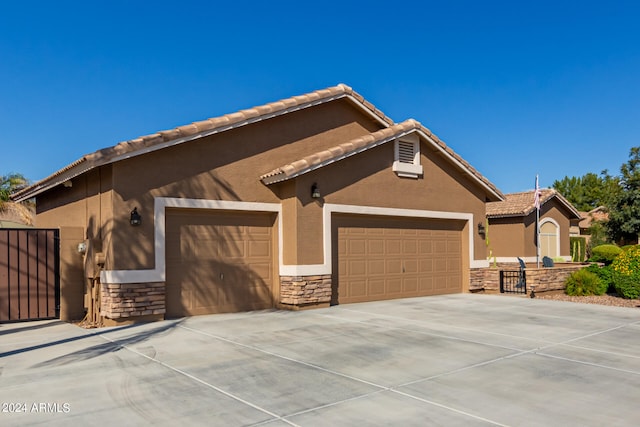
[598,214]
[522,204]
[198,129]
[357,145]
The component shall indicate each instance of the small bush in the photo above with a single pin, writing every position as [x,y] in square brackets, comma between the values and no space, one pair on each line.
[627,286]
[604,253]
[605,274]
[626,268]
[584,282]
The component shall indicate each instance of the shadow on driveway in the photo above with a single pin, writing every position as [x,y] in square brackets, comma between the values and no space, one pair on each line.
[96,350]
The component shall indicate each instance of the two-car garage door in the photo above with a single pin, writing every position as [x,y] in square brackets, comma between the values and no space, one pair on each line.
[384,258]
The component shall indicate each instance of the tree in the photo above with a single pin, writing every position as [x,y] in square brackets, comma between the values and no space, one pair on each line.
[586,192]
[624,207]
[8,184]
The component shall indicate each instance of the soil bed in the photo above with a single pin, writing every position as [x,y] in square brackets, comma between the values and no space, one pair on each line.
[607,299]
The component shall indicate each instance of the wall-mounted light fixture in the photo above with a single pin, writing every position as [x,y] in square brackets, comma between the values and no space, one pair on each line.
[67,184]
[135,219]
[315,191]
[481,230]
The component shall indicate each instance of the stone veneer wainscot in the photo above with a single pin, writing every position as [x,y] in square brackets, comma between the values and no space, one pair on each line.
[125,300]
[298,291]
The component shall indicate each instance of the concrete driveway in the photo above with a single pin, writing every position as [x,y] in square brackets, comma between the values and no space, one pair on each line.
[450,360]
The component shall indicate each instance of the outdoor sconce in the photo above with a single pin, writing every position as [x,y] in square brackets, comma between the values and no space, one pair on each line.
[481,229]
[135,219]
[315,191]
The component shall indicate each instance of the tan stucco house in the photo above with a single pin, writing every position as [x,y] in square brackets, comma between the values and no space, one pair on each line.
[313,200]
[512,226]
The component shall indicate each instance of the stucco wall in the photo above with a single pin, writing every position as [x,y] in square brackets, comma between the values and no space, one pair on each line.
[368,180]
[225,166]
[83,213]
[516,236]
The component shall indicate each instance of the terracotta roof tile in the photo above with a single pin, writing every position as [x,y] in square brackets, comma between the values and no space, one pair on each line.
[364,142]
[523,203]
[107,155]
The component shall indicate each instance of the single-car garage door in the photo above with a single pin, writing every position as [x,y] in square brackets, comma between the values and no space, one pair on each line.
[384,258]
[218,262]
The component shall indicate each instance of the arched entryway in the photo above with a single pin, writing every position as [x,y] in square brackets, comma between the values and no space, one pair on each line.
[549,238]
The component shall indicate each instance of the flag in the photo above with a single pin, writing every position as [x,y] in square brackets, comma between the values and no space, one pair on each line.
[536,200]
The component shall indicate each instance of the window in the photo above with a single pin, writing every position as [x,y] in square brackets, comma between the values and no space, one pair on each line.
[407,157]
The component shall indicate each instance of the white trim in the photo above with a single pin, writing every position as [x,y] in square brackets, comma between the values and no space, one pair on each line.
[158,274]
[330,209]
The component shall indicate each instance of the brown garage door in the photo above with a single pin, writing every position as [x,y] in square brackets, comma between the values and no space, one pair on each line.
[385,258]
[218,262]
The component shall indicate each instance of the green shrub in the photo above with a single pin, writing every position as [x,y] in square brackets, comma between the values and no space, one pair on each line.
[604,253]
[584,282]
[605,274]
[627,286]
[577,248]
[626,268]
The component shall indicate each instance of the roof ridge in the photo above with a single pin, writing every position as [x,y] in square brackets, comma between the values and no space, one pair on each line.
[199,128]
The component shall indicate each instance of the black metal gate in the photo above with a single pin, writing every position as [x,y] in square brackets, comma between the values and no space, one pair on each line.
[29,274]
[513,281]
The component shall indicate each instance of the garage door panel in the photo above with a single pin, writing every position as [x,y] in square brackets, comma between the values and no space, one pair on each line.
[357,247]
[410,266]
[393,247]
[419,257]
[426,266]
[377,286]
[394,266]
[376,268]
[410,285]
[218,261]
[394,285]
[357,267]
[260,249]
[425,284]
[376,247]
[410,247]
[357,289]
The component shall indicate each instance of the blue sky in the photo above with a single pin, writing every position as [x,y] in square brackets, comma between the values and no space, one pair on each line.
[516,88]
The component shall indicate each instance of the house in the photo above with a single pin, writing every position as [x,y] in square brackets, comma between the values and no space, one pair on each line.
[596,215]
[309,201]
[512,226]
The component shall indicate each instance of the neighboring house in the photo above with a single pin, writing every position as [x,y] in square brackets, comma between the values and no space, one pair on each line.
[512,226]
[599,214]
[313,200]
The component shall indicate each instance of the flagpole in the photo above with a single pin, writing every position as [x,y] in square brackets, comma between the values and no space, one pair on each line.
[537,203]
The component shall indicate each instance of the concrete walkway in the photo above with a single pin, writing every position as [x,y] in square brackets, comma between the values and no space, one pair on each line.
[451,360]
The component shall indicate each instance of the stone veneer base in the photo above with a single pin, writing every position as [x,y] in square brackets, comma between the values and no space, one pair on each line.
[302,291]
[123,301]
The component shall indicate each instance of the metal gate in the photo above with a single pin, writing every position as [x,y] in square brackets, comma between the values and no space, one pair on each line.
[29,274]
[513,281]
